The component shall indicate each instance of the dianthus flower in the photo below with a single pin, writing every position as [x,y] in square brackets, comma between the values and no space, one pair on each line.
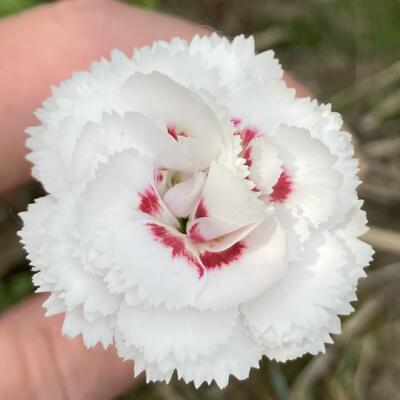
[199,215]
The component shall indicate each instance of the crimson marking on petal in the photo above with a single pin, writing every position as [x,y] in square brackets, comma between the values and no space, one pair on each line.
[236,121]
[282,188]
[176,244]
[159,174]
[201,210]
[247,156]
[171,129]
[149,202]
[218,259]
[195,235]
[247,135]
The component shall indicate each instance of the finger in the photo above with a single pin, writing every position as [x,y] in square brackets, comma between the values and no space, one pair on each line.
[45,45]
[301,90]
[36,362]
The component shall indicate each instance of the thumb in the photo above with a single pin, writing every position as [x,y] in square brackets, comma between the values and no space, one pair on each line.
[36,362]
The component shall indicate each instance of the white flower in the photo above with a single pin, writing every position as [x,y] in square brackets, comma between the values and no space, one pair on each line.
[199,215]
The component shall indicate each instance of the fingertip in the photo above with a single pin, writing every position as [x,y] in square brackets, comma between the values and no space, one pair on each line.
[38,362]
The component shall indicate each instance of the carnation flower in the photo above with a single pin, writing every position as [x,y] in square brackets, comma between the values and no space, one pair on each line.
[199,215]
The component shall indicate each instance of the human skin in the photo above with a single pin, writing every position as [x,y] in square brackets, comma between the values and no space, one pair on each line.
[38,49]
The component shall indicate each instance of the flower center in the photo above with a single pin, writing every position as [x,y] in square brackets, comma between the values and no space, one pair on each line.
[184,224]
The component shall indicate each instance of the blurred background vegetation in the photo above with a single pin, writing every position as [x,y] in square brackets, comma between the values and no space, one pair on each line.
[348,53]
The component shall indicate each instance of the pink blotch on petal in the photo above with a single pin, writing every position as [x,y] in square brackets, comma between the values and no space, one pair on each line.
[218,259]
[160,174]
[247,156]
[282,188]
[247,135]
[201,210]
[149,202]
[162,235]
[172,131]
[195,235]
[236,121]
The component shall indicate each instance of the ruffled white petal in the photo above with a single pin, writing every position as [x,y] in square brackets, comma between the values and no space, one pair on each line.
[315,291]
[310,168]
[243,206]
[234,357]
[244,271]
[240,62]
[98,330]
[175,108]
[266,165]
[184,335]
[146,257]
[182,198]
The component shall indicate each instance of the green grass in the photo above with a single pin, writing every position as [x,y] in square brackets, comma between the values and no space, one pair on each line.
[14,288]
[8,7]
